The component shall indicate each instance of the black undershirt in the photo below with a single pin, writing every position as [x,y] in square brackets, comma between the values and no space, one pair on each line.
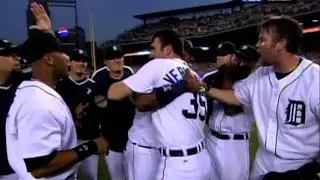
[282,75]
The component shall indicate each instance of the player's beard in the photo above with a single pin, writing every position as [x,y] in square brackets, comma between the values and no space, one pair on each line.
[80,74]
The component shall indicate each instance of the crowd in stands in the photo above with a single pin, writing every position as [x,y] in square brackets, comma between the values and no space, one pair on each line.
[220,20]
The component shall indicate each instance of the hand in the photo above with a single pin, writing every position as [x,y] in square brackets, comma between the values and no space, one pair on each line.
[80,111]
[103,145]
[194,84]
[42,19]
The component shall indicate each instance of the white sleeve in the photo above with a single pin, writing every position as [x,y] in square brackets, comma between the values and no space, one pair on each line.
[143,81]
[243,88]
[14,157]
[39,133]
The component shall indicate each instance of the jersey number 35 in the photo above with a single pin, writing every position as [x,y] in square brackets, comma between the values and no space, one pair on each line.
[199,106]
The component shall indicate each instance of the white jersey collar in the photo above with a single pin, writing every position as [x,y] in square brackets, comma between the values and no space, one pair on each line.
[281,83]
[40,85]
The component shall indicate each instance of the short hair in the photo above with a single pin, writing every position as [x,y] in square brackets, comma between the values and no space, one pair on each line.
[287,28]
[170,37]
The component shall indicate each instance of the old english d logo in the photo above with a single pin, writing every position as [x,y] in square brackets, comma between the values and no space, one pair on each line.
[296,112]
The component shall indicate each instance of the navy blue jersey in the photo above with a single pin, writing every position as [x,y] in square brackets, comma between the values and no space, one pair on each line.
[116,116]
[7,93]
[75,93]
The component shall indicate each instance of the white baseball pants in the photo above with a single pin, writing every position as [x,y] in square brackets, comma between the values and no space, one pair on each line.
[142,162]
[230,158]
[117,165]
[9,177]
[193,167]
[89,166]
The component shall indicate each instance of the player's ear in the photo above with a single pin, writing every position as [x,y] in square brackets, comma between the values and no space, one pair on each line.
[48,59]
[167,49]
[281,45]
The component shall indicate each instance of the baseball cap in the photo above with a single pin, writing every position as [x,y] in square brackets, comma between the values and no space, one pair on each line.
[112,52]
[79,55]
[38,44]
[248,52]
[226,48]
[7,48]
[187,45]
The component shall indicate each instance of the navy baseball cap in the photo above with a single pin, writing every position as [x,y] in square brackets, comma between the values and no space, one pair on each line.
[7,48]
[38,44]
[248,53]
[112,52]
[79,55]
[188,47]
[226,48]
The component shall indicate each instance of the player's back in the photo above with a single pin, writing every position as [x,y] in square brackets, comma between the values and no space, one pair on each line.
[181,122]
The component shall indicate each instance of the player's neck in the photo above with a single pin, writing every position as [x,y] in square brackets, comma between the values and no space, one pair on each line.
[77,77]
[4,78]
[173,56]
[287,63]
[39,73]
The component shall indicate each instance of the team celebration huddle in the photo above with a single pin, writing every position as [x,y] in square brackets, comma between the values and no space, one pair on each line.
[165,121]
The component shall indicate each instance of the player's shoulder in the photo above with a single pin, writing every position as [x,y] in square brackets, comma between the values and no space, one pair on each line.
[210,74]
[34,92]
[128,69]
[104,71]
[311,71]
[312,67]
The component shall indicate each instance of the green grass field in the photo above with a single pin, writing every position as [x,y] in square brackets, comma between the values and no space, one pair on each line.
[254,144]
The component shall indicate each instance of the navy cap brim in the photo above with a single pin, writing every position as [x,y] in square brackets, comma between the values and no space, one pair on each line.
[114,55]
[12,49]
[222,53]
[241,55]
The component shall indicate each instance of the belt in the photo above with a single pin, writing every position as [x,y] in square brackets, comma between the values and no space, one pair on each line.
[147,147]
[182,152]
[228,137]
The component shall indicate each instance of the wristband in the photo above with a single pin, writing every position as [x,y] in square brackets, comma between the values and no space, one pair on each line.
[167,93]
[86,149]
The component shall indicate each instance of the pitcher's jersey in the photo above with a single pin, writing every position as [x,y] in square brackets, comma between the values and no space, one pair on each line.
[221,122]
[181,122]
[38,123]
[76,92]
[287,110]
[117,116]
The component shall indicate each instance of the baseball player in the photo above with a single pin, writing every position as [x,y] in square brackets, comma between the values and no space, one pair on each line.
[228,139]
[40,133]
[248,56]
[78,92]
[9,67]
[117,116]
[226,52]
[179,125]
[284,97]
[188,55]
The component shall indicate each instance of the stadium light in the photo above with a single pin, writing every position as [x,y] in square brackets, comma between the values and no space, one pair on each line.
[315,20]
[204,48]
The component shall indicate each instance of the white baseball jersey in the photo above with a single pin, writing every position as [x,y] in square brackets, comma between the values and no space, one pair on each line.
[142,129]
[239,123]
[38,123]
[287,110]
[181,122]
